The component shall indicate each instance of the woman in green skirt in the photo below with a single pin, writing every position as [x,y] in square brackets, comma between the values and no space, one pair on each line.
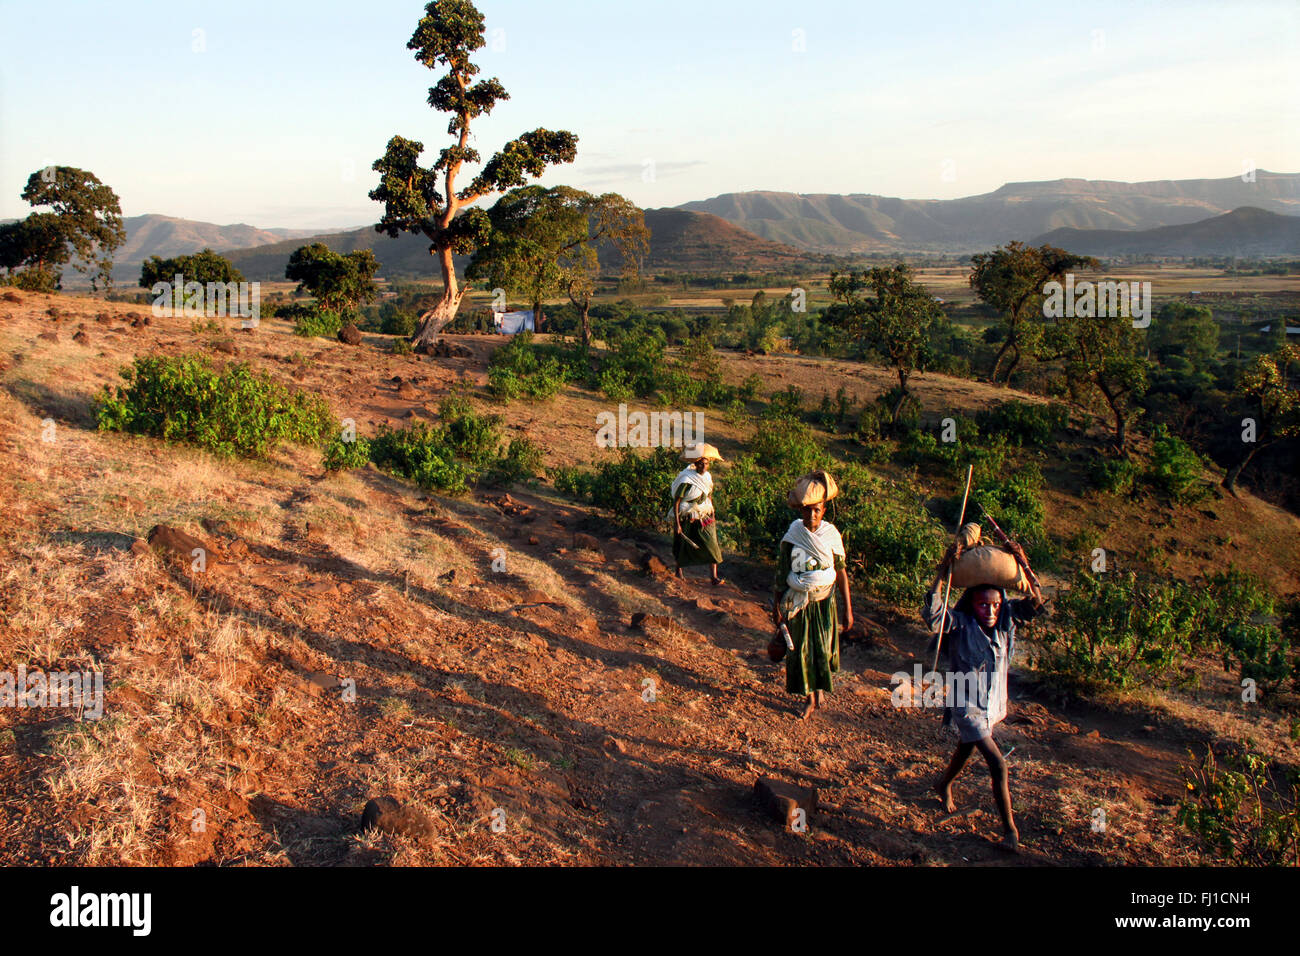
[811,569]
[695,537]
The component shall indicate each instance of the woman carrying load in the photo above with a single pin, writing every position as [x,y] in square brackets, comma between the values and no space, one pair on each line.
[811,566]
[979,638]
[695,532]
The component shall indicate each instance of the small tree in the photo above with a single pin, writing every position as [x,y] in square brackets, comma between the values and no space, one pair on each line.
[203,267]
[1011,279]
[1274,402]
[1104,357]
[545,241]
[86,222]
[1182,329]
[449,32]
[336,281]
[894,319]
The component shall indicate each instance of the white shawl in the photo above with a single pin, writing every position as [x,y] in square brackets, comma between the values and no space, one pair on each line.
[812,565]
[697,502]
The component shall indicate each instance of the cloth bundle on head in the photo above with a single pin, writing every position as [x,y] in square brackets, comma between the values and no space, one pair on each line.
[812,488]
[701,450]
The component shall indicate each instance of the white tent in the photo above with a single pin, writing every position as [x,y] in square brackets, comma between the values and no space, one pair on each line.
[511,323]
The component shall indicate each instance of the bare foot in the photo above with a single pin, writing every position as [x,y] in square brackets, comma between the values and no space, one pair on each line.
[717,581]
[808,708]
[1010,842]
[680,576]
[945,797]
[821,700]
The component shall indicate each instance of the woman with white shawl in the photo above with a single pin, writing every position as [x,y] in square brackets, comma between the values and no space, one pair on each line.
[811,569]
[695,531]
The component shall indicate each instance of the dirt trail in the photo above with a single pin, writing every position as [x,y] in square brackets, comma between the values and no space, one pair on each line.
[499,684]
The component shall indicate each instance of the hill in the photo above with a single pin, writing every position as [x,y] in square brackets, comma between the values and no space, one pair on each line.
[1247,232]
[864,223]
[497,672]
[679,240]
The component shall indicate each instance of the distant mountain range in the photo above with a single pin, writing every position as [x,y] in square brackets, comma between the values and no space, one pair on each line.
[862,223]
[1246,232]
[679,240]
[773,230]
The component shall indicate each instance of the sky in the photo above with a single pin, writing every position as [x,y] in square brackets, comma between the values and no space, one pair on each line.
[270,113]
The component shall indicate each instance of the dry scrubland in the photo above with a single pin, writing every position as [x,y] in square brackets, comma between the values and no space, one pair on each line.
[478,691]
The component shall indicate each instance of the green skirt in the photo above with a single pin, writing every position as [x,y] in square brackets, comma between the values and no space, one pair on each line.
[816,656]
[697,544]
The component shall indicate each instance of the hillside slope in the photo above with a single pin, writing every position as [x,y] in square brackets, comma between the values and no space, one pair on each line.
[494,663]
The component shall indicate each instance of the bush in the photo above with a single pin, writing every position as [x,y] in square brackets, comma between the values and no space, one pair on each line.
[1175,469]
[1112,475]
[635,487]
[233,412]
[1023,423]
[638,357]
[420,453]
[395,321]
[341,454]
[519,369]
[1243,813]
[522,461]
[1119,630]
[310,320]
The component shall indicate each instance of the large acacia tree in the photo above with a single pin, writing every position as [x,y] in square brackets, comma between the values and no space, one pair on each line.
[426,200]
[1105,362]
[545,242]
[1011,279]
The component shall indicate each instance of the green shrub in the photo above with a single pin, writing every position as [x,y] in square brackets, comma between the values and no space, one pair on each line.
[471,436]
[233,412]
[1112,475]
[522,461]
[638,357]
[1175,469]
[1023,423]
[402,347]
[748,390]
[314,321]
[341,455]
[1243,813]
[521,369]
[635,487]
[1119,630]
[788,402]
[420,452]
[395,321]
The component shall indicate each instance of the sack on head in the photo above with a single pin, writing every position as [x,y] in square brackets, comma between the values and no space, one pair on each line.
[817,486]
[985,564]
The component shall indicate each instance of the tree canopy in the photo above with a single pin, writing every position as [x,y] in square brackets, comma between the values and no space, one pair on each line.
[887,311]
[1011,279]
[545,242]
[336,281]
[425,199]
[85,222]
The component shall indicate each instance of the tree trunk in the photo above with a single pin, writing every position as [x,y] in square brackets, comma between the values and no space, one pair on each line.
[902,396]
[443,311]
[537,316]
[997,362]
[586,327]
[1230,479]
[1121,428]
[1015,360]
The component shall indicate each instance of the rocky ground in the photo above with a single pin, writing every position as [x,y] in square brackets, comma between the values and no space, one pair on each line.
[349,637]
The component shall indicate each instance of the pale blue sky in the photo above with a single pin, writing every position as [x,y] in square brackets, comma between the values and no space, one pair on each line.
[273,113]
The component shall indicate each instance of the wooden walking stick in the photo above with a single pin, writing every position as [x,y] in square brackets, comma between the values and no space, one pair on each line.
[943,618]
